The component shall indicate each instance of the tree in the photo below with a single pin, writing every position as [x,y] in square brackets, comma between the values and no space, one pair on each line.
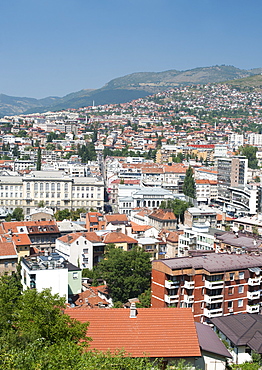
[189,186]
[17,214]
[16,152]
[39,159]
[41,204]
[178,207]
[250,151]
[62,215]
[127,273]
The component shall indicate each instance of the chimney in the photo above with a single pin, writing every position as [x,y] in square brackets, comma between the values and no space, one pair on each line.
[133,311]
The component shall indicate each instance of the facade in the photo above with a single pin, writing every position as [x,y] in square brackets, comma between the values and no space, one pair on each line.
[200,215]
[163,219]
[79,248]
[43,272]
[8,256]
[150,197]
[212,285]
[199,237]
[57,190]
[95,221]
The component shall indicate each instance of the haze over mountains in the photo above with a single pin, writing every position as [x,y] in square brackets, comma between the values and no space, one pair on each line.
[127,88]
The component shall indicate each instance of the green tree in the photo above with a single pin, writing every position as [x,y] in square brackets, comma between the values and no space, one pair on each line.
[189,186]
[127,273]
[17,214]
[41,204]
[62,215]
[250,151]
[145,299]
[39,159]
[16,152]
[177,206]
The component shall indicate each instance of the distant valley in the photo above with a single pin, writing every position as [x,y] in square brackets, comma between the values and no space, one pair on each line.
[133,86]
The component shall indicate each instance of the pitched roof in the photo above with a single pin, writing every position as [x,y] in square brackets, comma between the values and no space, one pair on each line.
[154,332]
[7,248]
[116,217]
[209,341]
[242,329]
[137,227]
[118,237]
[163,215]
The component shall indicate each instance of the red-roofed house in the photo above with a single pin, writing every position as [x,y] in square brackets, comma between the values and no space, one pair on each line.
[142,332]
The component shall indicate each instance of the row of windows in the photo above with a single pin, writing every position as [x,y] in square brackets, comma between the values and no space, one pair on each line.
[11,187]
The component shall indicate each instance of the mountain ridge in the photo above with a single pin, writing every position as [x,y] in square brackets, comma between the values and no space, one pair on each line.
[126,88]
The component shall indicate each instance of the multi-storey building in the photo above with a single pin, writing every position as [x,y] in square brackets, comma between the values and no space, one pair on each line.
[58,191]
[212,285]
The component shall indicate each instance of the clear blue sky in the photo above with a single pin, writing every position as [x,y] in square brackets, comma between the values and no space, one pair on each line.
[55,47]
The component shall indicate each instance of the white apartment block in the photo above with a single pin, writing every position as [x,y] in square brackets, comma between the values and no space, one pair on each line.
[236,140]
[255,139]
[55,189]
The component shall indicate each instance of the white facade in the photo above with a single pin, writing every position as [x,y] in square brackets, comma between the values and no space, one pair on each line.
[43,273]
[255,139]
[57,190]
[196,238]
[236,140]
[78,251]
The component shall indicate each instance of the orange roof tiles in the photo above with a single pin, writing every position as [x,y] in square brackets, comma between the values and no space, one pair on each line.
[137,228]
[7,249]
[163,214]
[154,332]
[118,237]
[116,217]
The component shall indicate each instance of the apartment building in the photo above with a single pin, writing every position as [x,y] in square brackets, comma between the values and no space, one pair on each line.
[57,190]
[211,284]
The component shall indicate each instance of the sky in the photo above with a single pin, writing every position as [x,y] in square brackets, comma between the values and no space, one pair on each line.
[56,47]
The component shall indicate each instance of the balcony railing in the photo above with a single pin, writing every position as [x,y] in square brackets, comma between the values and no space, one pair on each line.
[214,284]
[188,298]
[253,295]
[171,284]
[189,284]
[213,312]
[254,281]
[213,299]
[171,298]
[253,308]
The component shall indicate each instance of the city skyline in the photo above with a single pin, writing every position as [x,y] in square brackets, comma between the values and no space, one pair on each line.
[52,49]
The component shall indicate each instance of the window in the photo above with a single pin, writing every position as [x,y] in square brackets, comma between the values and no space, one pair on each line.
[53,186]
[36,186]
[240,303]
[241,289]
[241,275]
[47,186]
[58,187]
[66,187]
[230,290]
[75,275]
[230,304]
[28,186]
[232,276]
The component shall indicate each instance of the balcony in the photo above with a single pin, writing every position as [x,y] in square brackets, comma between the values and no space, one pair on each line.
[254,281]
[213,312]
[213,299]
[171,298]
[253,295]
[214,284]
[189,284]
[188,298]
[171,284]
[253,309]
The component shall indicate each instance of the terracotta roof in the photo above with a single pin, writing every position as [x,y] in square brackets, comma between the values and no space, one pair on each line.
[154,332]
[118,237]
[7,249]
[21,239]
[137,228]
[70,238]
[116,217]
[163,214]
[32,226]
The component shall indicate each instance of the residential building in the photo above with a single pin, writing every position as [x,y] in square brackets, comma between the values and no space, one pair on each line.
[40,235]
[213,284]
[8,256]
[50,271]
[178,341]
[199,237]
[201,215]
[120,240]
[242,332]
[95,221]
[80,249]
[163,219]
[206,191]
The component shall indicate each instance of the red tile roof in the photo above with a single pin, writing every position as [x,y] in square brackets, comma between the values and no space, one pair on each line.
[116,217]
[154,332]
[118,237]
